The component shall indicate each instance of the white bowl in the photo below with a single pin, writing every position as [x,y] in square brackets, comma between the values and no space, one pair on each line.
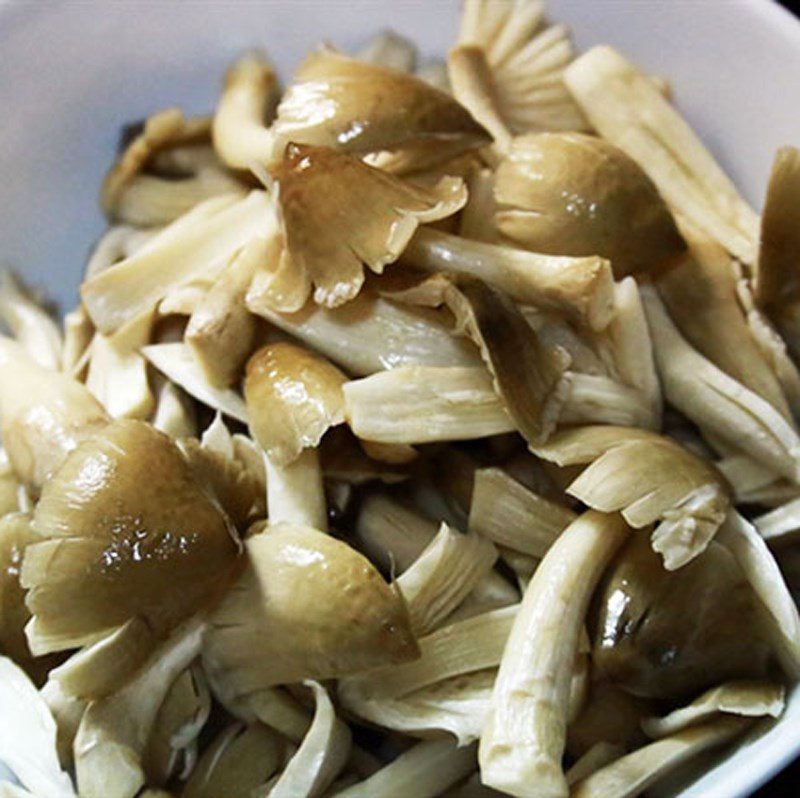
[72,73]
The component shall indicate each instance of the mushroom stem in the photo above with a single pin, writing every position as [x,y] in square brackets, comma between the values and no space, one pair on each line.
[295,493]
[525,736]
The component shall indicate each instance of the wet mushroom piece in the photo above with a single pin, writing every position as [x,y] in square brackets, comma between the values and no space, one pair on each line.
[575,194]
[125,533]
[671,634]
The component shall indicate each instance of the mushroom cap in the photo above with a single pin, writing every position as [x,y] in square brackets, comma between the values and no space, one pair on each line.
[574,194]
[308,607]
[126,531]
[338,214]
[293,397]
[361,107]
[671,634]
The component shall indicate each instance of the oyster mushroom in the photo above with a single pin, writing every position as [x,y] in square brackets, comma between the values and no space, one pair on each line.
[523,742]
[339,214]
[573,194]
[165,171]
[306,607]
[128,540]
[647,642]
[510,56]
[44,415]
[364,108]
[628,110]
[245,109]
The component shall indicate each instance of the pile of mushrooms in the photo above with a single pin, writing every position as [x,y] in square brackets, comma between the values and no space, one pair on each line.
[422,429]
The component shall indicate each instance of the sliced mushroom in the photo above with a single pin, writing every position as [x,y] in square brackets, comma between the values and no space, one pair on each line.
[449,568]
[306,587]
[745,699]
[240,760]
[126,533]
[573,194]
[580,288]
[174,413]
[30,323]
[199,243]
[670,634]
[321,755]
[245,109]
[370,334]
[523,61]
[776,277]
[342,102]
[525,736]
[114,731]
[44,415]
[629,110]
[426,769]
[339,214]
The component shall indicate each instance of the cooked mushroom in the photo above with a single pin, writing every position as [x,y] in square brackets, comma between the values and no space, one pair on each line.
[342,102]
[629,110]
[300,580]
[245,109]
[427,768]
[126,533]
[525,736]
[44,415]
[573,194]
[647,642]
[581,288]
[30,323]
[521,61]
[200,242]
[390,50]
[370,334]
[339,214]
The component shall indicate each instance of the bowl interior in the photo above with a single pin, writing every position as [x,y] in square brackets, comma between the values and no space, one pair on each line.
[71,74]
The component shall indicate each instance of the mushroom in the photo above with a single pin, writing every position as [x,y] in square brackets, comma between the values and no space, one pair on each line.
[523,742]
[363,108]
[221,331]
[775,276]
[293,397]
[78,334]
[647,642]
[307,606]
[166,170]
[321,756]
[44,415]
[427,768]
[389,50]
[129,540]
[443,575]
[30,323]
[717,403]
[199,243]
[338,214]
[370,334]
[574,194]
[510,515]
[240,760]
[580,288]
[628,110]
[245,109]
[633,774]
[510,58]
[700,294]
[174,413]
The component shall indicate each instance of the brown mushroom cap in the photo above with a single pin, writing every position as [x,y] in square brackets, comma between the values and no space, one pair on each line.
[308,607]
[671,634]
[339,214]
[126,532]
[573,194]
[361,107]
[293,397]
